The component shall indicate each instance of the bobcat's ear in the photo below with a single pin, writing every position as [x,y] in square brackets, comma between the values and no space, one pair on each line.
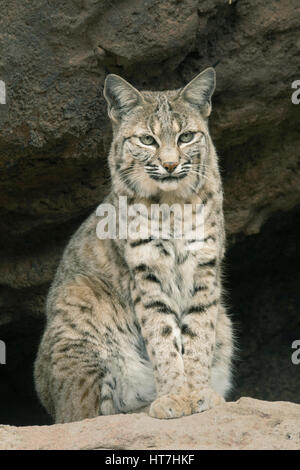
[121,97]
[199,91]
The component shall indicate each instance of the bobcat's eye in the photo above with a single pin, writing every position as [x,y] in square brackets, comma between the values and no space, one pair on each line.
[147,140]
[186,137]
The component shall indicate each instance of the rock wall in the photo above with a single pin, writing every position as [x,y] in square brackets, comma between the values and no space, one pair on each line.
[55,135]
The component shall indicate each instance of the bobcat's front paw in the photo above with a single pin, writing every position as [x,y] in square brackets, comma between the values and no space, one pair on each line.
[170,406]
[175,406]
[204,399]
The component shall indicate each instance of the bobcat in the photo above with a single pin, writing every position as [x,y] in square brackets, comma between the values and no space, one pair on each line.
[138,322]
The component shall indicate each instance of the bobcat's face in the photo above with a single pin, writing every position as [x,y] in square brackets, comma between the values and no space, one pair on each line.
[165,149]
[160,141]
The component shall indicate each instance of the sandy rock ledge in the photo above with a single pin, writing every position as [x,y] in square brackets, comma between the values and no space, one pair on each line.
[245,424]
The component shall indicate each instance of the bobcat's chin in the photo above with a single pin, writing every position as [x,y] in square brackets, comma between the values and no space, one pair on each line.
[167,186]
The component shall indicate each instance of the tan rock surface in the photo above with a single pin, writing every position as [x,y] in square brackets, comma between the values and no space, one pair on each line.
[245,424]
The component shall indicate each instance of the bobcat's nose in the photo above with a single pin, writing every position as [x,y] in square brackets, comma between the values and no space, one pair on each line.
[170,166]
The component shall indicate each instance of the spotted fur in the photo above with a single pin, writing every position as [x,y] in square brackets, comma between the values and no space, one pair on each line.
[140,321]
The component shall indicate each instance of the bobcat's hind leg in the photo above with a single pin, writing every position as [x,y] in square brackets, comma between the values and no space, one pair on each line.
[70,380]
[70,371]
[221,372]
[71,392]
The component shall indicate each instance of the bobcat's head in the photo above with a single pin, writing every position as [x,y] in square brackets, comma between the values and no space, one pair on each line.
[161,140]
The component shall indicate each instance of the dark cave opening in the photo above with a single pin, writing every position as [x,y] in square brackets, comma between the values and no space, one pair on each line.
[262,279]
